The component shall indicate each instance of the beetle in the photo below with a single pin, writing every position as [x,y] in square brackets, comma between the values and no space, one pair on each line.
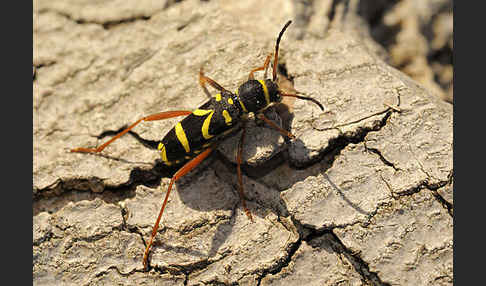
[193,138]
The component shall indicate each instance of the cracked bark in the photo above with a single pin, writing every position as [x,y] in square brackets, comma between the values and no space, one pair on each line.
[106,24]
[346,174]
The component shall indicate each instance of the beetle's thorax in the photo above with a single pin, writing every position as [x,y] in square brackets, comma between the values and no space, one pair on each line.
[256,95]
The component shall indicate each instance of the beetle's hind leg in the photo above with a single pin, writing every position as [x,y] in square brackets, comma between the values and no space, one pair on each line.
[240,177]
[180,173]
[152,117]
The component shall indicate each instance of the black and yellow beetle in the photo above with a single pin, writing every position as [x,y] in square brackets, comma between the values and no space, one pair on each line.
[196,136]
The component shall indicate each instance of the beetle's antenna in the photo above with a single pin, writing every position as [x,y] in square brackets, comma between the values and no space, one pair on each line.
[304,98]
[275,62]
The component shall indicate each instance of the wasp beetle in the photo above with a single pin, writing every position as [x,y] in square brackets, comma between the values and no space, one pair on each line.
[192,139]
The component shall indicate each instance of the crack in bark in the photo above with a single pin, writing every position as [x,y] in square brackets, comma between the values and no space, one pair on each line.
[73,190]
[189,268]
[148,177]
[336,145]
[203,223]
[282,263]
[307,234]
[125,227]
[382,158]
[355,121]
[108,24]
[45,238]
[104,272]
[91,238]
[433,187]
[278,209]
[409,192]
[358,263]
[447,205]
[176,269]
[360,266]
[38,66]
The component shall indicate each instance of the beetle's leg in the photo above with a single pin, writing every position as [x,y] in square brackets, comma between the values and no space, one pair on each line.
[240,177]
[152,117]
[264,67]
[204,79]
[275,126]
[181,172]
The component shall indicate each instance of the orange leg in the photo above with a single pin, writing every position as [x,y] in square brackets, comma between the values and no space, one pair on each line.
[181,172]
[153,117]
[264,67]
[240,177]
[275,126]
[204,79]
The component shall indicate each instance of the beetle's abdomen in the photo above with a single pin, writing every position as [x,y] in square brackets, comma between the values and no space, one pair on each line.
[200,129]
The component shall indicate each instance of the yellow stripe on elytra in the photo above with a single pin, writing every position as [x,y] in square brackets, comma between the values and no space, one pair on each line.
[181,135]
[218,97]
[241,103]
[163,154]
[265,91]
[230,101]
[227,117]
[201,112]
[207,121]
